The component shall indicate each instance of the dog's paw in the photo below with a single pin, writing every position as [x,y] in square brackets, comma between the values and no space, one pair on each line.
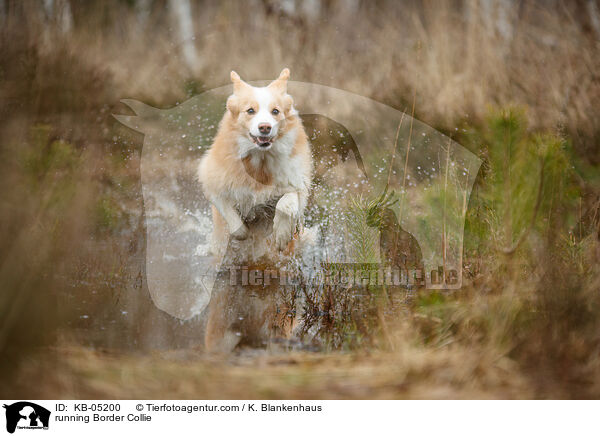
[240,233]
[283,231]
[285,220]
[251,217]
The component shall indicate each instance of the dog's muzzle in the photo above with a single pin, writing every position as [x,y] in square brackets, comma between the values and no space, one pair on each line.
[261,141]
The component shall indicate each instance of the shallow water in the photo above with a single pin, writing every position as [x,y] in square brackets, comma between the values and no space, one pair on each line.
[161,294]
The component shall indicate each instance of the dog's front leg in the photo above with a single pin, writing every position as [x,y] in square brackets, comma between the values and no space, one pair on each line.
[237,228]
[286,219]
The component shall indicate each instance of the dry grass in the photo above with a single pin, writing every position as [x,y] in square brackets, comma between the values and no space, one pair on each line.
[523,326]
[414,372]
[451,54]
[457,62]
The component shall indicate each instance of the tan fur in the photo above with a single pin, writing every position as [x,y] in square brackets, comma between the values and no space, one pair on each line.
[259,172]
[236,176]
[225,170]
[231,179]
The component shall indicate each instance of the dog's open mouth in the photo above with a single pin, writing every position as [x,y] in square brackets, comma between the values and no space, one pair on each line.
[261,141]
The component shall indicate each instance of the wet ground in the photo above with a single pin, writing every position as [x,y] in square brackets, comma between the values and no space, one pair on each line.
[77,372]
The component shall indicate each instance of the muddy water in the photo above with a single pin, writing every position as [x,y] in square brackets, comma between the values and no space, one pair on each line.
[167,282]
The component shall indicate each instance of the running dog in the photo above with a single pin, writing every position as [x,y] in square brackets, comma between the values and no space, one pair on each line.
[260,156]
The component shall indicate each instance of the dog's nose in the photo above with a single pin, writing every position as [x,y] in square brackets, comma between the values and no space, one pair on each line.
[264,128]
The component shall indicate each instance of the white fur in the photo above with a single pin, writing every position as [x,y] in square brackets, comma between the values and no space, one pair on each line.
[283,168]
[264,97]
[289,175]
[286,219]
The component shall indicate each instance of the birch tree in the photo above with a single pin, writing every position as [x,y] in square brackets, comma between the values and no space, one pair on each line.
[182,15]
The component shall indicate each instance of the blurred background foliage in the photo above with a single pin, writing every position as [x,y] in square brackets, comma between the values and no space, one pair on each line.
[516,82]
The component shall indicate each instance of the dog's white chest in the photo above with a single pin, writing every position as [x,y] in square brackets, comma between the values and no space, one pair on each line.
[285,177]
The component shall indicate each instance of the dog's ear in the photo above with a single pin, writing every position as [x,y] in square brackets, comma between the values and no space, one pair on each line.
[233,105]
[288,104]
[238,83]
[281,82]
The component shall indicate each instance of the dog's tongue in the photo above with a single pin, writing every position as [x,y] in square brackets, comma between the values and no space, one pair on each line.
[263,141]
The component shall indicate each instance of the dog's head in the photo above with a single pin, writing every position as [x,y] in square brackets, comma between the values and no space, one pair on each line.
[260,114]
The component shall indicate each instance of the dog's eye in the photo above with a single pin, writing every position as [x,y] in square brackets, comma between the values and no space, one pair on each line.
[250,111]
[275,111]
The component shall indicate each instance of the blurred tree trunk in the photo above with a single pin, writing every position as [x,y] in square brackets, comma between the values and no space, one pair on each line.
[58,13]
[142,11]
[311,9]
[301,11]
[3,12]
[594,14]
[349,7]
[499,16]
[182,14]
